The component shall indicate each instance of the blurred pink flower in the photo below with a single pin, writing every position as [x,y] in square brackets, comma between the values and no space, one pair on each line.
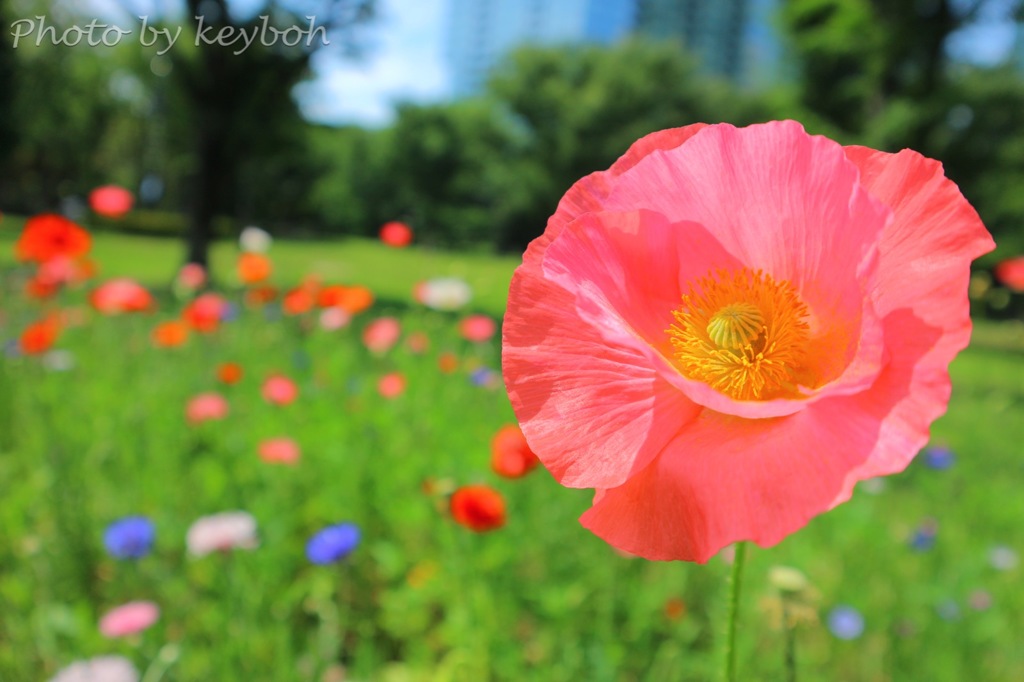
[191,276]
[111,201]
[129,619]
[222,532]
[391,385]
[121,295]
[334,318]
[99,669]
[418,343]
[381,334]
[477,328]
[280,390]
[280,451]
[206,406]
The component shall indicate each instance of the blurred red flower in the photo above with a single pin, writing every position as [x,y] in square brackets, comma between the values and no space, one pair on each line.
[48,236]
[298,300]
[1010,273]
[511,457]
[478,507]
[396,234]
[205,312]
[39,336]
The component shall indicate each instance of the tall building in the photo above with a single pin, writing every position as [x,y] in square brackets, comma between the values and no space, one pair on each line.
[481,32]
[735,39]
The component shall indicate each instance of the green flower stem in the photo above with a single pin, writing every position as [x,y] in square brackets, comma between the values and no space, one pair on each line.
[735,582]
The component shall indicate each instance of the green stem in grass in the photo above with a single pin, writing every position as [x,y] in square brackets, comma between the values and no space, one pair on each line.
[735,583]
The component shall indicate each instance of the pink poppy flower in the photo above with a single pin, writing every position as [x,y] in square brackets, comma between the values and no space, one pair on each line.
[280,390]
[418,343]
[121,295]
[332,319]
[129,619]
[191,276]
[381,334]
[391,385]
[280,451]
[477,328]
[111,201]
[729,328]
[205,407]
[222,532]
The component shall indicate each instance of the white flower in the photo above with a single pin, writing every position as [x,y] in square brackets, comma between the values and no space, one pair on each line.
[221,532]
[443,293]
[255,240]
[99,669]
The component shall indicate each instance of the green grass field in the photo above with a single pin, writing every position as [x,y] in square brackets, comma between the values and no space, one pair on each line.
[421,598]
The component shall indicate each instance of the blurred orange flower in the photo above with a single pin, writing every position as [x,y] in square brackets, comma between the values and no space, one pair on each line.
[478,507]
[170,334]
[298,300]
[229,373]
[49,235]
[351,299]
[257,296]
[254,268]
[447,363]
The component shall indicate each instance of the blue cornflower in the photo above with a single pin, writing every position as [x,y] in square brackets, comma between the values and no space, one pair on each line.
[130,538]
[939,457]
[923,538]
[333,543]
[846,622]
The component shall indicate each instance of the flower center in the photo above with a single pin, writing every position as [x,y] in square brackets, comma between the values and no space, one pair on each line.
[743,334]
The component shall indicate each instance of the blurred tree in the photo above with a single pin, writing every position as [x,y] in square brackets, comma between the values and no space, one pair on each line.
[7,66]
[240,108]
[579,109]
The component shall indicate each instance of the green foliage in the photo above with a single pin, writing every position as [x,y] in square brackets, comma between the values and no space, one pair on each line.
[422,599]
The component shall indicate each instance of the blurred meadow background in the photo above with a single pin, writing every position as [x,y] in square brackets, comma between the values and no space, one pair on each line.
[291,311]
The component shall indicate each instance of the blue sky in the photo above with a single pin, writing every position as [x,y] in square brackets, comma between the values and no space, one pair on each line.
[404,62]
[405,57]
